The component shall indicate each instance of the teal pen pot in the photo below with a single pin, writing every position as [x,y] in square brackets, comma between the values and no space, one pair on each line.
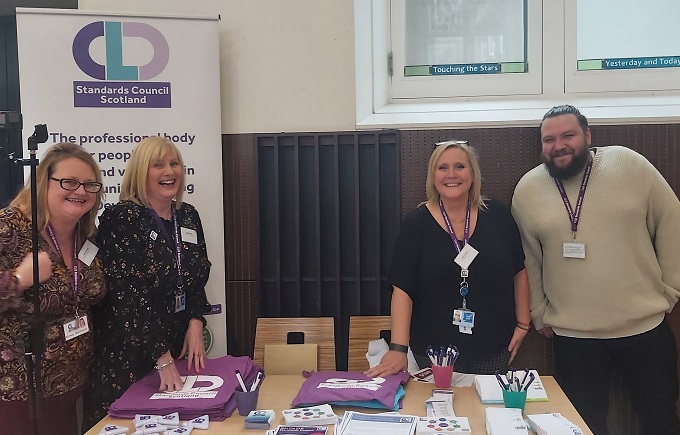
[515,399]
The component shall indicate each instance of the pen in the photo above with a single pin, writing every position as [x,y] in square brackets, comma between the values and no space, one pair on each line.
[256,382]
[500,381]
[531,379]
[240,381]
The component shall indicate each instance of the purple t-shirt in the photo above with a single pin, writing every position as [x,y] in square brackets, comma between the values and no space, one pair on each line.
[208,392]
[339,387]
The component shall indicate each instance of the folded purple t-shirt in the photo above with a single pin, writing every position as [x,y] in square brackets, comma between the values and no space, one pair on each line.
[208,392]
[337,387]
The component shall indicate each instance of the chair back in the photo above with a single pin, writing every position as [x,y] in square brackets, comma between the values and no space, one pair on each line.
[363,329]
[315,330]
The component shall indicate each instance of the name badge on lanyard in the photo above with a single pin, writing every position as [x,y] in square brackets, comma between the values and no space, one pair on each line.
[180,294]
[574,249]
[76,327]
[463,317]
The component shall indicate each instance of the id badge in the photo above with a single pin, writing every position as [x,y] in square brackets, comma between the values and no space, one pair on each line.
[573,250]
[180,302]
[76,327]
[464,317]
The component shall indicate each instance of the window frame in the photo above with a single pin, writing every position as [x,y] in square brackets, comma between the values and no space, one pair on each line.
[375,107]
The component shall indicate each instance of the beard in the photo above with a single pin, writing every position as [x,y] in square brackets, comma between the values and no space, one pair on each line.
[578,162]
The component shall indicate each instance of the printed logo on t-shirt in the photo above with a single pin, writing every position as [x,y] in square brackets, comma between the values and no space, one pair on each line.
[195,387]
[342,383]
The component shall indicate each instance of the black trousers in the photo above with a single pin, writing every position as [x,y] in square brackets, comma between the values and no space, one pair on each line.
[648,366]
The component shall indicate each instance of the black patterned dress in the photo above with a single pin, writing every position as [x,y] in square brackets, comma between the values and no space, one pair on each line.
[136,323]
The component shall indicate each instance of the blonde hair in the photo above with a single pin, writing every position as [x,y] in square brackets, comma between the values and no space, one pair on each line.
[477,201]
[45,170]
[152,148]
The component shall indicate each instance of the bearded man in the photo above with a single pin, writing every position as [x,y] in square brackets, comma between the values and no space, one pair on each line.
[600,228]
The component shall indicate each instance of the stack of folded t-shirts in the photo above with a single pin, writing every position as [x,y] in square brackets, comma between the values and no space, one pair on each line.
[211,391]
[352,389]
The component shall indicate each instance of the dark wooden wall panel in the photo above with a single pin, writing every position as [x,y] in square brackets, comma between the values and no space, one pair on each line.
[241,241]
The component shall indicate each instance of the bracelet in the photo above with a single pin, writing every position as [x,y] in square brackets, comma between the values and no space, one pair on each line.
[164,365]
[520,326]
[399,347]
[524,324]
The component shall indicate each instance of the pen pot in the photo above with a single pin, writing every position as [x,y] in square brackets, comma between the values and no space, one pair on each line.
[515,399]
[246,401]
[442,376]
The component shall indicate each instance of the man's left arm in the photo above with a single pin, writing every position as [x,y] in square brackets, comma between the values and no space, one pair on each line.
[663,222]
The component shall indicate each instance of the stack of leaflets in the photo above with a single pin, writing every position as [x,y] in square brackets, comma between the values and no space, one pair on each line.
[318,415]
[440,404]
[489,390]
[260,419]
[553,424]
[388,423]
[505,421]
[298,430]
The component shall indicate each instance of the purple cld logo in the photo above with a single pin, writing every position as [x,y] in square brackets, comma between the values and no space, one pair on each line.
[120,85]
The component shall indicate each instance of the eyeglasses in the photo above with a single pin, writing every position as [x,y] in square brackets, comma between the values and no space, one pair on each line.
[71,184]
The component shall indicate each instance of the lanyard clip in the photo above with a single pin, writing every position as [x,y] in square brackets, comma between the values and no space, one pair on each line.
[573,234]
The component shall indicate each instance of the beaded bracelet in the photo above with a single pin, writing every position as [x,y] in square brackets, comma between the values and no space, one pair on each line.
[164,365]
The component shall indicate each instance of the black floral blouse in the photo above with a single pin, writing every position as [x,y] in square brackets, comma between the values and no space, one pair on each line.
[136,323]
[64,363]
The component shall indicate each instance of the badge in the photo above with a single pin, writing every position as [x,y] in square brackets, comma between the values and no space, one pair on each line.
[88,252]
[466,256]
[76,327]
[573,250]
[180,302]
[189,235]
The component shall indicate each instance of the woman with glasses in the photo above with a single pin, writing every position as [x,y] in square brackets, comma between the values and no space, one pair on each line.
[156,264]
[457,274]
[71,280]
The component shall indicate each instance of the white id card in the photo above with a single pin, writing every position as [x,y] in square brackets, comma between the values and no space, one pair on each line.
[76,327]
[189,235]
[466,256]
[88,252]
[573,250]
[180,302]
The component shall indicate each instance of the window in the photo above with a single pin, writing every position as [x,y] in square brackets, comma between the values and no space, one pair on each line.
[454,48]
[635,49]
[506,62]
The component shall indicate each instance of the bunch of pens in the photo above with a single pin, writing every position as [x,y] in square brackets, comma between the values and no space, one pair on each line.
[442,356]
[512,382]
[254,385]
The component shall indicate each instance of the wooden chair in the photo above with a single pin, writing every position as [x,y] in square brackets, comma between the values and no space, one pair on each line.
[317,330]
[363,329]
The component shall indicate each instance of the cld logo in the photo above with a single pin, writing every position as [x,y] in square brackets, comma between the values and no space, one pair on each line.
[113,33]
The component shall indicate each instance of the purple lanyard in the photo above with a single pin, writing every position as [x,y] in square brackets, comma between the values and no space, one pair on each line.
[75,266]
[574,216]
[176,241]
[452,233]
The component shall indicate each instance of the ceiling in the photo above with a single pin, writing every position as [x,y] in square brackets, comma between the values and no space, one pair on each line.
[7,7]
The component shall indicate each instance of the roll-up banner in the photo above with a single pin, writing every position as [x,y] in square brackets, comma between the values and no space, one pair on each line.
[107,80]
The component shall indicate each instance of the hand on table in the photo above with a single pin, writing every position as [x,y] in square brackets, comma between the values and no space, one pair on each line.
[391,363]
